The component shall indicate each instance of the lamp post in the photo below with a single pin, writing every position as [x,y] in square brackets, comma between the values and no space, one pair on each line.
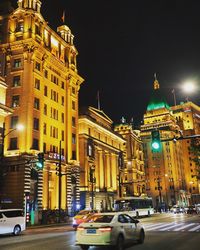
[190,189]
[174,96]
[3,135]
[160,194]
[92,181]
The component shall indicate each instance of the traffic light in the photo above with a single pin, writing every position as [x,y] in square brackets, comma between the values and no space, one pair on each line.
[155,141]
[40,162]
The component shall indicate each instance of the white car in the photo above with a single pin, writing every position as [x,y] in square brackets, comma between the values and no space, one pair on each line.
[12,221]
[109,229]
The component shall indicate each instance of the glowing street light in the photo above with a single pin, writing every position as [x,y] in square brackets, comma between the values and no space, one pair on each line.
[18,127]
[189,87]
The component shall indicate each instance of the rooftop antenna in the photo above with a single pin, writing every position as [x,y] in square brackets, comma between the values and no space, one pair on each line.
[63,17]
[98,101]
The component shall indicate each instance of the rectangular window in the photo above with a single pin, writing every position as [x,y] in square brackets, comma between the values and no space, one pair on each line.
[37,84]
[62,117]
[15,101]
[62,135]
[73,139]
[45,91]
[17,63]
[62,100]
[37,30]
[73,105]
[35,144]
[45,109]
[14,121]
[37,66]
[73,91]
[73,155]
[20,27]
[44,147]
[13,143]
[73,121]
[62,85]
[36,123]
[45,128]
[36,103]
[46,73]
[16,81]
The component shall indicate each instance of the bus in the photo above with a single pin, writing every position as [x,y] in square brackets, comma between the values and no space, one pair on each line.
[135,206]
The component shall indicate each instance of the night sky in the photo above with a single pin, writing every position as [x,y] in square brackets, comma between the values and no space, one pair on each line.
[121,45]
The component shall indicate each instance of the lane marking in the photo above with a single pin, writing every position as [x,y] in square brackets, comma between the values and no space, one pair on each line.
[185,226]
[174,225]
[194,228]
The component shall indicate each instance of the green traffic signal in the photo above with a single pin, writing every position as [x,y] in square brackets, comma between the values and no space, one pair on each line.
[155,141]
[40,162]
[39,165]
[155,145]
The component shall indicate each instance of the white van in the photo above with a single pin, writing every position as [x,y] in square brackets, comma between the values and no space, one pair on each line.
[12,221]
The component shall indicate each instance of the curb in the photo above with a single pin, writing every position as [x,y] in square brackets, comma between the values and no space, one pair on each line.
[49,225]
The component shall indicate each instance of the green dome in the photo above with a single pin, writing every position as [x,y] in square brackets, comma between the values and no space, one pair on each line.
[157,100]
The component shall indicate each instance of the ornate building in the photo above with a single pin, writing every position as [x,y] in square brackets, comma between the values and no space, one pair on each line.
[188,118]
[43,87]
[101,158]
[133,174]
[165,177]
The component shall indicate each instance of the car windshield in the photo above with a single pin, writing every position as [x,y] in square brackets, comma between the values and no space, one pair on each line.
[101,218]
[83,212]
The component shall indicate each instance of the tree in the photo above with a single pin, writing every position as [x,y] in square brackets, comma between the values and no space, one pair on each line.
[195,150]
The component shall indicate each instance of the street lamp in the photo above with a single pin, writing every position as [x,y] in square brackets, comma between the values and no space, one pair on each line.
[189,87]
[18,127]
[190,189]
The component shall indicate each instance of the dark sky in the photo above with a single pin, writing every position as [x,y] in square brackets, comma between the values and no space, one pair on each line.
[121,45]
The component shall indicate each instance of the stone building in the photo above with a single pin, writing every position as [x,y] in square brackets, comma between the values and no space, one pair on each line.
[133,173]
[43,87]
[101,158]
[164,169]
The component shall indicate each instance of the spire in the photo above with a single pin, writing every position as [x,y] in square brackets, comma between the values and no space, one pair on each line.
[156,84]
[63,17]
[157,99]
[30,4]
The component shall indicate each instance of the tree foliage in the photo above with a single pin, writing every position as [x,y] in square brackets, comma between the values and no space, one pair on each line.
[195,151]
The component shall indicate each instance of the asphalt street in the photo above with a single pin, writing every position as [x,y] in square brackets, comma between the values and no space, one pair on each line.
[163,232]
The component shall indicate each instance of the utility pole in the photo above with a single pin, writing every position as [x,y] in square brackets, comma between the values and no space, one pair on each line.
[92,181]
[59,184]
[2,143]
[159,190]
[120,184]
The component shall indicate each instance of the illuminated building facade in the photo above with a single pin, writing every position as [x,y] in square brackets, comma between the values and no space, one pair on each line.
[188,118]
[133,174]
[165,177]
[101,157]
[4,110]
[43,86]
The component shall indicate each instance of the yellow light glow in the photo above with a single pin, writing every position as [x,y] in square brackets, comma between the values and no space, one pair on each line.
[189,87]
[54,42]
[20,127]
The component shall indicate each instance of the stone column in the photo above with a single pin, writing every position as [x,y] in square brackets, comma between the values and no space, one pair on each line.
[108,171]
[101,171]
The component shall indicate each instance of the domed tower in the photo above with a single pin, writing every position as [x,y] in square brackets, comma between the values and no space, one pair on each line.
[164,167]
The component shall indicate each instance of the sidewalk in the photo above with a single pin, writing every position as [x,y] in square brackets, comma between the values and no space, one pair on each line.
[69,223]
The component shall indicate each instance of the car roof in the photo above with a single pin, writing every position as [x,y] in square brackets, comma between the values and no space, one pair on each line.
[12,209]
[111,213]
